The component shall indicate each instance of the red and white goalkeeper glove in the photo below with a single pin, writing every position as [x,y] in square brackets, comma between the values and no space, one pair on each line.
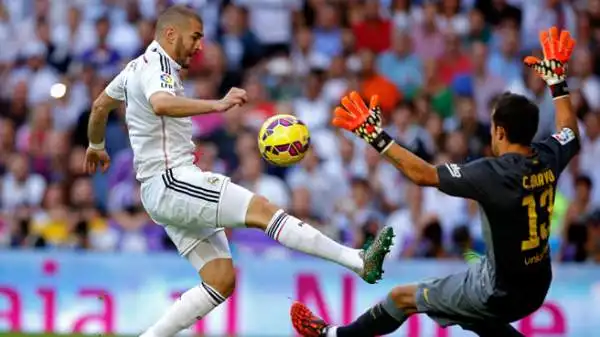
[364,121]
[552,69]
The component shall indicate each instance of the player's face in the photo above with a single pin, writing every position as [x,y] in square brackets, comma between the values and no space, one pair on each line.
[189,42]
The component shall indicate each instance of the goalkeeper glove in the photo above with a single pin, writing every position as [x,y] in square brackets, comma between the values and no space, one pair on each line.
[364,121]
[553,68]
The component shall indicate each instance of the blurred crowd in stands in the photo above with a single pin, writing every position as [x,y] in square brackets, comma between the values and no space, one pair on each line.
[436,64]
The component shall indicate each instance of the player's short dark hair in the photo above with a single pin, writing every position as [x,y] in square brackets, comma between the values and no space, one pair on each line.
[175,15]
[519,117]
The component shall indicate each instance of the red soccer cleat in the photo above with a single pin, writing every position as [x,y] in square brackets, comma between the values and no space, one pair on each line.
[306,323]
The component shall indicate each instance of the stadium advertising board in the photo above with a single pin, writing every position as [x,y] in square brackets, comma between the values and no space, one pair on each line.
[125,293]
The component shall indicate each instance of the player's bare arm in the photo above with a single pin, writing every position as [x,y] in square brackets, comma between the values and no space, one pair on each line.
[557,48]
[365,122]
[96,156]
[166,104]
[101,108]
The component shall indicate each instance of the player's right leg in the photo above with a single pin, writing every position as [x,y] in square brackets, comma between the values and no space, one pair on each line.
[212,259]
[298,235]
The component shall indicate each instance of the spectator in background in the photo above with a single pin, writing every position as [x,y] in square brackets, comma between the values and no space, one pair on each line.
[452,19]
[327,34]
[312,108]
[453,61]
[479,29]
[75,34]
[373,32]
[57,56]
[583,71]
[35,72]
[303,55]
[145,29]
[226,136]
[325,187]
[427,38]
[272,24]
[436,90]
[506,62]
[405,15]
[498,11]
[486,85]
[10,47]
[130,229]
[476,133]
[401,65]
[20,187]
[102,57]
[336,82]
[16,108]
[373,83]
[123,35]
[541,14]
[240,46]
[252,177]
[590,153]
[581,205]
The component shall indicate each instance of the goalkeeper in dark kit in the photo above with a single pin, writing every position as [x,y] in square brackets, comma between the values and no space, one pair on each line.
[515,191]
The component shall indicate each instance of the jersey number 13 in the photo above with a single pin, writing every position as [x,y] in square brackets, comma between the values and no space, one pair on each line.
[538,230]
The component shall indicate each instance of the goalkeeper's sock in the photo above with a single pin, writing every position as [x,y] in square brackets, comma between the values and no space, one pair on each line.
[382,319]
[193,305]
[298,235]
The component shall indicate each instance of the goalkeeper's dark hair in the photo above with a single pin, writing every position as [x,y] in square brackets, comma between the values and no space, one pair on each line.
[519,117]
[175,16]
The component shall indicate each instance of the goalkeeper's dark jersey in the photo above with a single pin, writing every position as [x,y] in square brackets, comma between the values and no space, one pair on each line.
[516,196]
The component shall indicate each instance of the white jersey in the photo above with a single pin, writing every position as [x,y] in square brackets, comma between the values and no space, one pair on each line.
[159,143]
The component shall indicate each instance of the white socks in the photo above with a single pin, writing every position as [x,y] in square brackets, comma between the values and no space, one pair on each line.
[331,332]
[193,305]
[295,234]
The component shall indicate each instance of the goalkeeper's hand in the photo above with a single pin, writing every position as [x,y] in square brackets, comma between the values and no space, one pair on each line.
[364,121]
[557,49]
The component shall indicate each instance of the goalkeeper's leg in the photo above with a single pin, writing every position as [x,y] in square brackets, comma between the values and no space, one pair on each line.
[293,233]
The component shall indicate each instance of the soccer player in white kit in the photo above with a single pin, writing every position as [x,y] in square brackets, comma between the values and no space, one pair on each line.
[194,206]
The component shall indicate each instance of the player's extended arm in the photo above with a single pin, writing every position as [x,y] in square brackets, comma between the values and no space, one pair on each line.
[365,122]
[557,49]
[102,106]
[166,104]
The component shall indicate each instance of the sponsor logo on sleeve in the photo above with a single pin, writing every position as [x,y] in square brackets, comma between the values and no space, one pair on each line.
[564,136]
[454,170]
[167,81]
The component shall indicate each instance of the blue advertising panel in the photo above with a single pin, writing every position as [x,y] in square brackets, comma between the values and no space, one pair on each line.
[125,293]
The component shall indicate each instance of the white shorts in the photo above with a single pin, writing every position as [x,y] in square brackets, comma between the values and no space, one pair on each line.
[193,205]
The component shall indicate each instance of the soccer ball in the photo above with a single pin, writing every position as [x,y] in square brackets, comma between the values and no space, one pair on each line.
[283,140]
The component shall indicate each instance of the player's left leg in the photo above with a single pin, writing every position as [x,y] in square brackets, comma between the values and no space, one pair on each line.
[211,257]
[238,204]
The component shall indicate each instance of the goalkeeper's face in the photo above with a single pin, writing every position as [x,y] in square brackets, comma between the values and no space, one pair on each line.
[188,42]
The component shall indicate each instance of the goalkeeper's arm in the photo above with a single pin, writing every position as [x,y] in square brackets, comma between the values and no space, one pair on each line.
[412,166]
[565,116]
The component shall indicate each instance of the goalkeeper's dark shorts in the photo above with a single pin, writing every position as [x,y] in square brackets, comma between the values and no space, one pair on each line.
[468,299]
